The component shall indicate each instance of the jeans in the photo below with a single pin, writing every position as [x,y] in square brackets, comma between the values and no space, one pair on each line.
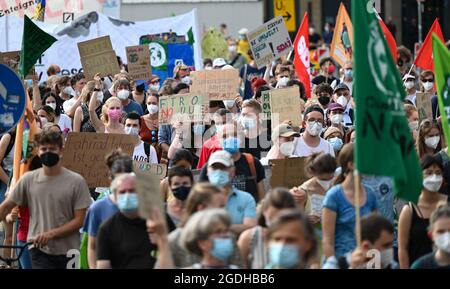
[25,261]
[41,260]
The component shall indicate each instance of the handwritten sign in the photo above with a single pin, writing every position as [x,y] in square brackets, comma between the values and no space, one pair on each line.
[85,154]
[285,105]
[189,107]
[288,172]
[12,60]
[138,58]
[155,169]
[270,41]
[97,56]
[316,204]
[149,195]
[216,84]
[423,103]
[265,101]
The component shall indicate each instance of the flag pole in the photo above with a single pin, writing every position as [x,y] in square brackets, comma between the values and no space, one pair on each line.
[357,183]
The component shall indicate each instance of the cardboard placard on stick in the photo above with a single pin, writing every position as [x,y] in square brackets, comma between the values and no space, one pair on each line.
[288,172]
[85,154]
[12,60]
[155,169]
[97,56]
[270,41]
[285,105]
[423,103]
[149,194]
[216,84]
[188,107]
[139,66]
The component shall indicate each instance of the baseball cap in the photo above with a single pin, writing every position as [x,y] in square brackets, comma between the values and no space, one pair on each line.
[243,31]
[335,106]
[340,86]
[221,157]
[409,76]
[219,62]
[284,130]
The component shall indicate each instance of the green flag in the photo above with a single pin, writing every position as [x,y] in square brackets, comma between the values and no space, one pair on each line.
[34,43]
[190,35]
[384,143]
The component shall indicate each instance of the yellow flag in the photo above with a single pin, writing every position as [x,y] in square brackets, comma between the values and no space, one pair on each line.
[342,45]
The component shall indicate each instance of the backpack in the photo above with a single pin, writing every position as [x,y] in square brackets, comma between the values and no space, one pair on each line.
[147,150]
[251,163]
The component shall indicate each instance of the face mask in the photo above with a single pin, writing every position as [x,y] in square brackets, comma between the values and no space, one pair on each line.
[131,130]
[314,128]
[283,255]
[232,48]
[337,143]
[342,100]
[311,31]
[443,242]
[198,129]
[325,184]
[219,178]
[231,145]
[428,85]
[337,118]
[181,193]
[414,125]
[228,103]
[348,73]
[68,90]
[49,159]
[324,100]
[52,105]
[386,257]
[155,87]
[218,127]
[248,123]
[100,96]
[43,121]
[186,80]
[123,94]
[152,108]
[241,36]
[283,81]
[287,148]
[127,202]
[432,183]
[409,84]
[222,248]
[114,114]
[432,142]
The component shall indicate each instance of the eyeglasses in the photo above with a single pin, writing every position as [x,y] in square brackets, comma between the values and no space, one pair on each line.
[428,80]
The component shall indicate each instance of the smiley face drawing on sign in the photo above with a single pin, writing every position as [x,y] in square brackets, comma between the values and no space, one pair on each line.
[157,54]
[303,51]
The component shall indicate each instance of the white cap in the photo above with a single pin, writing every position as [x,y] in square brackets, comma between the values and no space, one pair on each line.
[227,67]
[221,157]
[243,31]
[408,76]
[219,62]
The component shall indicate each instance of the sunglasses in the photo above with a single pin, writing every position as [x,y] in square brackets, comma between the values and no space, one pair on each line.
[428,80]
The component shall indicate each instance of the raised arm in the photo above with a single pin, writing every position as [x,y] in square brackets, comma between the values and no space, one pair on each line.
[95,121]
[37,101]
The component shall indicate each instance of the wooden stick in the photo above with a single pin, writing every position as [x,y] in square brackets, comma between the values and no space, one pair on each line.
[357,183]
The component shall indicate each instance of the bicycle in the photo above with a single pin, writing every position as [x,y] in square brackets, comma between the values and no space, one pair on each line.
[11,260]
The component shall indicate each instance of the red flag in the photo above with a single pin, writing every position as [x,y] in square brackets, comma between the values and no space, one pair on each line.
[301,59]
[389,38]
[424,58]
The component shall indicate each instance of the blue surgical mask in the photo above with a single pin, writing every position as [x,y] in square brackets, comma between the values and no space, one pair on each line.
[222,248]
[337,143]
[248,122]
[283,256]
[127,202]
[219,178]
[348,73]
[198,129]
[231,145]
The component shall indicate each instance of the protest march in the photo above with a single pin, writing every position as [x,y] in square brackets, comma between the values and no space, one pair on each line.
[155,145]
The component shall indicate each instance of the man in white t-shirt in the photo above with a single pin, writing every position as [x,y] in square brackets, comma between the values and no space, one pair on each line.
[310,141]
[143,152]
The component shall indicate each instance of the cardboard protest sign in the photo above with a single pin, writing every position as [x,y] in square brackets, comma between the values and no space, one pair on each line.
[265,101]
[270,41]
[316,204]
[423,103]
[149,194]
[138,58]
[85,154]
[285,105]
[189,107]
[12,60]
[155,169]
[288,172]
[97,56]
[216,84]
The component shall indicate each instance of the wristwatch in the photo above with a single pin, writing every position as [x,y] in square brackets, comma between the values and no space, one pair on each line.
[97,89]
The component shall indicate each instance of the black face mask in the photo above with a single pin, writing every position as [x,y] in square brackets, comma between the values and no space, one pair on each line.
[324,100]
[181,193]
[49,159]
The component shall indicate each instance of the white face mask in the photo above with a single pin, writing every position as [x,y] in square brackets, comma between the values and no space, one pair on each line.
[229,103]
[232,48]
[131,130]
[342,100]
[100,96]
[52,105]
[69,90]
[409,84]
[432,142]
[414,125]
[43,121]
[155,87]
[432,183]
[186,80]
[123,94]
[325,184]
[428,85]
[386,257]
[287,148]
[283,81]
[314,128]
[337,119]
[442,241]
[152,108]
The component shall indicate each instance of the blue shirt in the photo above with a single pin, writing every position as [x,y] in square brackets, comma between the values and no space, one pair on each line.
[133,106]
[344,236]
[165,134]
[240,205]
[383,188]
[99,212]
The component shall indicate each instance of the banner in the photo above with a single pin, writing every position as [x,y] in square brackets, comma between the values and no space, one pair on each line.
[302,61]
[138,58]
[216,84]
[187,107]
[269,41]
[342,45]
